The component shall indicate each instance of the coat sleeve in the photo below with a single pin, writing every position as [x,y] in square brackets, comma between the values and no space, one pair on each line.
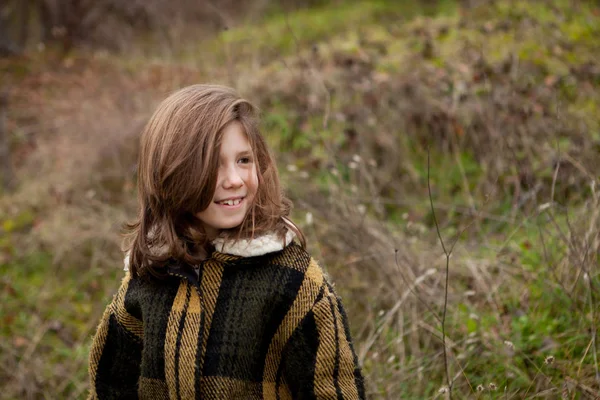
[116,350]
[319,361]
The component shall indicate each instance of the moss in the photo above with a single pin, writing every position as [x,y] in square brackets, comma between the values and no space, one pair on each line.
[587,110]
[22,220]
[283,32]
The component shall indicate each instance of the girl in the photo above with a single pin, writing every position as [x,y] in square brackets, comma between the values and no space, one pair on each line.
[219,301]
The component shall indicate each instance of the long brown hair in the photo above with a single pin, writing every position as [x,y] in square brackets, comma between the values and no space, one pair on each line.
[177,176]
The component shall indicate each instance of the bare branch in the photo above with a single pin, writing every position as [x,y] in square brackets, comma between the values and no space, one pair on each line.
[437,227]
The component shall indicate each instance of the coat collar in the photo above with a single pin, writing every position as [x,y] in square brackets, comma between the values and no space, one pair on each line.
[257,246]
[252,247]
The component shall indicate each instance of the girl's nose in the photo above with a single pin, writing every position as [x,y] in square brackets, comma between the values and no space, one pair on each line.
[232,178]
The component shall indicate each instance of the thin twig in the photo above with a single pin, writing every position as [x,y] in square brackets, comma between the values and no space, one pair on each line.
[593,309]
[587,349]
[437,227]
[554,178]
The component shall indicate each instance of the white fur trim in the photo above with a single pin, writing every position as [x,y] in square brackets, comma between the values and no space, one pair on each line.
[257,246]
[126,261]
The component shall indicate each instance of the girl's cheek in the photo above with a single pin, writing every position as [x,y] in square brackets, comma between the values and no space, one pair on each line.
[255,178]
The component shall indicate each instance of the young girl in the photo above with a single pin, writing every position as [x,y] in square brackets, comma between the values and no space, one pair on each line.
[219,301]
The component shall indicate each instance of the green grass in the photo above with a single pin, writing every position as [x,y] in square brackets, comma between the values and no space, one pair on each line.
[284,34]
[44,317]
[288,33]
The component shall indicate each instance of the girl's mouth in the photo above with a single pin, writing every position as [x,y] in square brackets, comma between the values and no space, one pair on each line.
[231,203]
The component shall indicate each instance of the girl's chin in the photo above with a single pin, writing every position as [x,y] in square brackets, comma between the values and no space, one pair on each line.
[220,219]
[214,230]
[230,224]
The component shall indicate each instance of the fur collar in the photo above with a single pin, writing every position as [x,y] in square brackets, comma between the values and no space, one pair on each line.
[258,246]
[253,247]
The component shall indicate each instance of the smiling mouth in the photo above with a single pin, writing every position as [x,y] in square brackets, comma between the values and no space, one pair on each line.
[230,202]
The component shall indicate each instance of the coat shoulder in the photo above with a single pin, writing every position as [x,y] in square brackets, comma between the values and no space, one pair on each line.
[292,256]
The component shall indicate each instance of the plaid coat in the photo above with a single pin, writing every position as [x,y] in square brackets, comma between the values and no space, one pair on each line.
[268,326]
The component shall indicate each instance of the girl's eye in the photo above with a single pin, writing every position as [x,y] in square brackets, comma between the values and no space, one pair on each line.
[244,160]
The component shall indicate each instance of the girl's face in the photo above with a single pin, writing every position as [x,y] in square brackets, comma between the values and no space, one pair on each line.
[236,184]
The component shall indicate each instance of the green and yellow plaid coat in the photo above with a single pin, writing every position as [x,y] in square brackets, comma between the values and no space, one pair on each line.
[265,326]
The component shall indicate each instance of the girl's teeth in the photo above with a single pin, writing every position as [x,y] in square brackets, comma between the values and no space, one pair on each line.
[231,202]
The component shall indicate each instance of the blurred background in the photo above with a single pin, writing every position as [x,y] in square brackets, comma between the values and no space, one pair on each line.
[443,157]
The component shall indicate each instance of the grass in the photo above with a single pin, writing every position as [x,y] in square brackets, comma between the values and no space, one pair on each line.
[284,34]
[502,98]
[41,314]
